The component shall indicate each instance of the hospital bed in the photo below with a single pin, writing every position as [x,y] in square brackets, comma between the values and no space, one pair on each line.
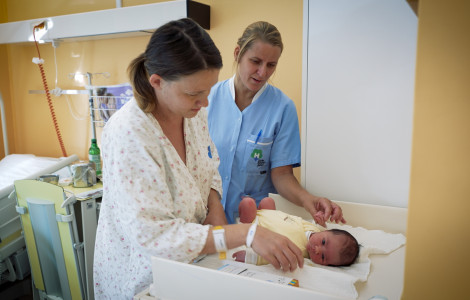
[13,257]
[175,280]
[14,263]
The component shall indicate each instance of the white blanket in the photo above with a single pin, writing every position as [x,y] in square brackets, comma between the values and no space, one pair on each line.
[19,166]
[338,281]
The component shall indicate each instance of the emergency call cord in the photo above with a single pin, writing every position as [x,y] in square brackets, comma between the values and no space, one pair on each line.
[39,62]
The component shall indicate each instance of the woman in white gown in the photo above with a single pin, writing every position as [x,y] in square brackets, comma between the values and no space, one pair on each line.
[162,188]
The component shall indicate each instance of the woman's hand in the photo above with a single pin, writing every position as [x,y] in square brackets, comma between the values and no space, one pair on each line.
[277,249]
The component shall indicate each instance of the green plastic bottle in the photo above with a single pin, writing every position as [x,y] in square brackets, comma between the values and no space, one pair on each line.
[95,156]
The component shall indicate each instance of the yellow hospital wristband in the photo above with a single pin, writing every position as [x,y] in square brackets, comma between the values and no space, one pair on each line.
[218,233]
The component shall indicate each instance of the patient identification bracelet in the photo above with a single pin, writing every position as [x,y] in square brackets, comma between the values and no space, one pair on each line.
[251,235]
[219,241]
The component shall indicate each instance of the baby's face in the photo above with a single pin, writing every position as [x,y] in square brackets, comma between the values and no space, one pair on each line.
[323,248]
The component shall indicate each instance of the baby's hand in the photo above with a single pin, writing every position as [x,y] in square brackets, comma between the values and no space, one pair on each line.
[319,217]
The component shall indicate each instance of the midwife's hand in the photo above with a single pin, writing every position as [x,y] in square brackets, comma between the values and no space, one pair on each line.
[322,210]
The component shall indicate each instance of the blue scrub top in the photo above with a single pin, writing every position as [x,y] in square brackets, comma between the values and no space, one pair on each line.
[250,143]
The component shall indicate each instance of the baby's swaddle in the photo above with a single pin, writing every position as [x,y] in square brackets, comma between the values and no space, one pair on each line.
[340,280]
[337,281]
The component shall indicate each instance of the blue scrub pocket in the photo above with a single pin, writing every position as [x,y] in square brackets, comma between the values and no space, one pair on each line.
[257,155]
[257,162]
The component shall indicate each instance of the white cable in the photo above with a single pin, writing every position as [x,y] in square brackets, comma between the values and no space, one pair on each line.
[55,63]
[71,110]
[58,91]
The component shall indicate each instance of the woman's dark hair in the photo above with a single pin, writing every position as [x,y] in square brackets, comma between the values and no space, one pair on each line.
[177,48]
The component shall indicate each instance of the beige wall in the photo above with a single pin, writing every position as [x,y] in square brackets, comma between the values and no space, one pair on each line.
[31,123]
[230,17]
[437,261]
[4,78]
[438,226]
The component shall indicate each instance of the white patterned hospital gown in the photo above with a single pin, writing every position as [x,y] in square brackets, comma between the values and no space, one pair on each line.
[153,204]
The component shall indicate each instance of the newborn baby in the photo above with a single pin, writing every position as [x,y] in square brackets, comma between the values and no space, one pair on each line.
[334,247]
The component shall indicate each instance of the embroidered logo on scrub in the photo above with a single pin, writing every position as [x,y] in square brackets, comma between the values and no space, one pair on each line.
[257,154]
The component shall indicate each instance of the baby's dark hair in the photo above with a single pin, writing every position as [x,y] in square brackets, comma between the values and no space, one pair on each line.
[350,249]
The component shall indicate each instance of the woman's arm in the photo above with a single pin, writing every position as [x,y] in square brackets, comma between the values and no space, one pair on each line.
[216,214]
[321,209]
[277,249]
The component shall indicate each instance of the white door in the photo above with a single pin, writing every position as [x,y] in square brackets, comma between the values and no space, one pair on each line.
[358,92]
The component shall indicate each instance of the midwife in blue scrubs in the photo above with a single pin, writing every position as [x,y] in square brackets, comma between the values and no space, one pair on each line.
[255,128]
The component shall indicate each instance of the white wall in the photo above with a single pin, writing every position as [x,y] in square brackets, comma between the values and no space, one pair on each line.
[357,106]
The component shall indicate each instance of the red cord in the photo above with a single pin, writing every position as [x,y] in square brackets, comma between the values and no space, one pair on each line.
[48,95]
